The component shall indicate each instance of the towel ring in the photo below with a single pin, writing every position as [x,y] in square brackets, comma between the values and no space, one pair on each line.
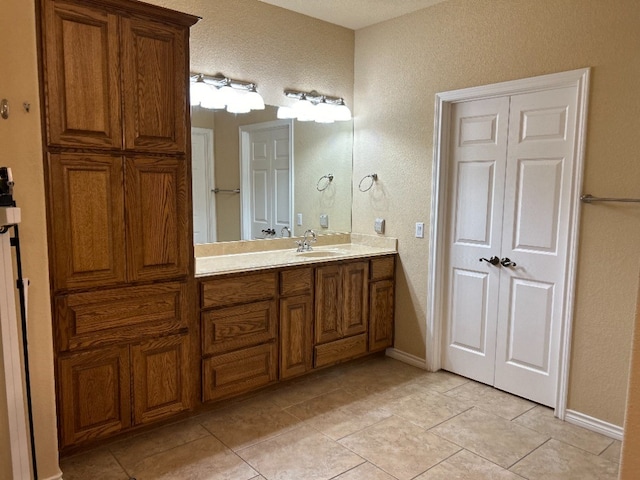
[373,177]
[322,186]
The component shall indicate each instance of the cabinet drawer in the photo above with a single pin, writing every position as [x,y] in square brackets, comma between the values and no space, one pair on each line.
[238,372]
[236,327]
[382,268]
[296,281]
[92,319]
[339,350]
[238,289]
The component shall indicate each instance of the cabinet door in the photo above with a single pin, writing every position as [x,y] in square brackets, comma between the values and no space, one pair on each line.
[161,383]
[82,75]
[155,79]
[328,309]
[356,298]
[87,220]
[94,394]
[381,319]
[296,336]
[158,226]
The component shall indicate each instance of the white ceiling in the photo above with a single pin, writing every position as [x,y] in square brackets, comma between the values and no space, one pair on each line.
[353,14]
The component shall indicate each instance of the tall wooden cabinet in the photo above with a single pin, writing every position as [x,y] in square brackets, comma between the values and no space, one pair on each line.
[115,76]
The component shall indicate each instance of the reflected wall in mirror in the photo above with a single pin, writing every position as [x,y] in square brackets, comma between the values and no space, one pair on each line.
[318,150]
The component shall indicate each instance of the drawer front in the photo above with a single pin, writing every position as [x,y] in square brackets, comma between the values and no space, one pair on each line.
[238,372]
[382,268]
[88,320]
[238,289]
[297,281]
[230,328]
[340,350]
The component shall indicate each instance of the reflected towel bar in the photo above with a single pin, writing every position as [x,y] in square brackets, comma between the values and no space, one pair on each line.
[222,190]
[590,199]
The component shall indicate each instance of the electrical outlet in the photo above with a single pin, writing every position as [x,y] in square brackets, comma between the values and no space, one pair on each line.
[419,229]
[379,225]
[299,219]
[324,220]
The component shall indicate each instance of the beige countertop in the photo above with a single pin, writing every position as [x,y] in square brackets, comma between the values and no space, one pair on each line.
[213,260]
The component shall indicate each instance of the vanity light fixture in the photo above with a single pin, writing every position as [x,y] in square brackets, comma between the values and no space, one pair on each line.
[313,106]
[220,92]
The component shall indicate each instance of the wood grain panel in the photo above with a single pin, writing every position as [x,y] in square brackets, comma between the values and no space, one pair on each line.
[382,268]
[94,394]
[93,319]
[160,378]
[238,372]
[235,289]
[87,216]
[340,350]
[296,335]
[82,75]
[154,80]
[355,298]
[158,225]
[237,327]
[381,300]
[296,281]
[328,307]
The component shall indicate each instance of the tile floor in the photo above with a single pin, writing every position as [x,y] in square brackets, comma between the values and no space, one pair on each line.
[377,419]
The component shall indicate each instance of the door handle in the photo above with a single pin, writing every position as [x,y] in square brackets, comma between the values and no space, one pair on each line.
[506,262]
[493,260]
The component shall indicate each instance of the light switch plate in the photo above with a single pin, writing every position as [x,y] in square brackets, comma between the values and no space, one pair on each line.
[299,219]
[419,229]
[379,225]
[324,220]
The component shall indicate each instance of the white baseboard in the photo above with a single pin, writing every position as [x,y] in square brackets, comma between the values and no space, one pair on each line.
[55,477]
[406,358]
[595,425]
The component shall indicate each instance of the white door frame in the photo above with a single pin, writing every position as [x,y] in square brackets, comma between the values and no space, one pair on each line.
[245,180]
[212,228]
[437,235]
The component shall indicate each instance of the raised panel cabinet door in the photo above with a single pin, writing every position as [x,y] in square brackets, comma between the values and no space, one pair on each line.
[94,389]
[328,305]
[158,227]
[296,335]
[82,75]
[381,315]
[356,298]
[87,220]
[155,73]
[161,383]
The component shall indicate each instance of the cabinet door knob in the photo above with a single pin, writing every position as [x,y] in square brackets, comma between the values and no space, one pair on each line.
[506,262]
[493,260]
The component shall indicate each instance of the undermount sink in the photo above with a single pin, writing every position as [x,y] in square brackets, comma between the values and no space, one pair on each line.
[319,253]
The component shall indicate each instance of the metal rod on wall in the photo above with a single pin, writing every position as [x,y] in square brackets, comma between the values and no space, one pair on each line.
[590,199]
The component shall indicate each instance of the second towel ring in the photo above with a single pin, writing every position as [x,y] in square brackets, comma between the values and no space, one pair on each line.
[373,177]
[322,186]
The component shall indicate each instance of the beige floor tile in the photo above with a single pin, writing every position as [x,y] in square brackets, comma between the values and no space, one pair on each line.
[492,437]
[301,391]
[399,447]
[302,453]
[558,461]
[93,464]
[248,423]
[464,465]
[440,381]
[134,449]
[338,413]
[612,453]
[492,400]
[428,408]
[541,420]
[203,459]
[366,471]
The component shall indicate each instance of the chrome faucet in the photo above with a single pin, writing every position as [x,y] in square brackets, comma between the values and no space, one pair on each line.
[285,231]
[304,245]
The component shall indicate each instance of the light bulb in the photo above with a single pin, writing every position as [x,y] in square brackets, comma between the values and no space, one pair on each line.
[324,113]
[254,100]
[238,103]
[342,113]
[286,113]
[213,99]
[304,110]
[199,90]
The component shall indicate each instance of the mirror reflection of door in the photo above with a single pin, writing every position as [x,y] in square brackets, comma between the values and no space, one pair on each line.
[203,183]
[266,157]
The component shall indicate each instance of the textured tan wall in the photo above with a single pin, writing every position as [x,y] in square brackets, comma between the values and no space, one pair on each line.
[21,143]
[630,468]
[401,64]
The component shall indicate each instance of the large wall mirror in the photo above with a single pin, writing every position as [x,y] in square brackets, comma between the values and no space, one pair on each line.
[255,176]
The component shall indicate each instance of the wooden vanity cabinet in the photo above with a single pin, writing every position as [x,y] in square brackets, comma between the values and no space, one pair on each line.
[341,312]
[116,119]
[381,303]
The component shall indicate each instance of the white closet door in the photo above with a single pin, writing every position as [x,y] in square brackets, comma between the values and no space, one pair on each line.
[535,236]
[478,148]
